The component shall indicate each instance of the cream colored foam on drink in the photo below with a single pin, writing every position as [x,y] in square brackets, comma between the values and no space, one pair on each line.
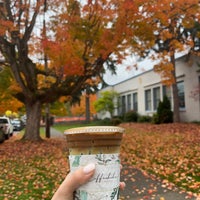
[99,145]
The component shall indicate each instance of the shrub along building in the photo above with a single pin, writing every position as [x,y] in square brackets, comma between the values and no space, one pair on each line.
[142,93]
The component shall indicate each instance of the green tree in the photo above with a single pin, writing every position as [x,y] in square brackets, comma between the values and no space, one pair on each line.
[107,102]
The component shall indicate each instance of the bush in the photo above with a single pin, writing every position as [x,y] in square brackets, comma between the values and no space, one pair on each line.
[164,113]
[105,121]
[144,118]
[116,121]
[118,117]
[131,116]
[155,119]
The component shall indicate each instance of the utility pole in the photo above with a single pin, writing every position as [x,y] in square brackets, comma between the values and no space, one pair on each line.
[47,117]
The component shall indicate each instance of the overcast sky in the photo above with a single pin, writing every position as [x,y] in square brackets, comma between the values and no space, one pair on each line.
[123,73]
[127,70]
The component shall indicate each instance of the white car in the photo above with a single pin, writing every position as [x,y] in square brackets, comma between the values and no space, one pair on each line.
[5,123]
[17,124]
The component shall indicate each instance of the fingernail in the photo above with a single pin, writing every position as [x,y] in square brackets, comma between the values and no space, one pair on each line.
[122,185]
[89,168]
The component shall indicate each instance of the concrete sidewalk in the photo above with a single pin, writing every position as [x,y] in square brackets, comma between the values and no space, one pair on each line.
[56,134]
[141,186]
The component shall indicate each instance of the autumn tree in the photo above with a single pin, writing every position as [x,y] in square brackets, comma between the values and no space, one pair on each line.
[80,40]
[163,29]
[7,100]
[79,108]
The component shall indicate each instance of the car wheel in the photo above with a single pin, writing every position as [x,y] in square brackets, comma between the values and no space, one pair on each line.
[2,137]
[7,136]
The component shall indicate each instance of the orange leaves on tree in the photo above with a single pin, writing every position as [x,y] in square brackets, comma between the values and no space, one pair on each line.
[106,43]
[64,99]
[165,35]
[93,81]
[165,69]
[8,88]
[175,44]
[4,26]
[64,58]
[79,109]
[162,27]
[10,103]
[85,34]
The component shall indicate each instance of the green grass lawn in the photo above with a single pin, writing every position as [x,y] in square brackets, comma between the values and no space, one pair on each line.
[63,127]
[42,132]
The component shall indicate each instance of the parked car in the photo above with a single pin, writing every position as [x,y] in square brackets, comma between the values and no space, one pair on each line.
[7,127]
[23,118]
[18,125]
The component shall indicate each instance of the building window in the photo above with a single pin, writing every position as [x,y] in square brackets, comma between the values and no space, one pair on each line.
[181,95]
[123,105]
[128,102]
[167,91]
[119,108]
[135,101]
[148,100]
[156,97]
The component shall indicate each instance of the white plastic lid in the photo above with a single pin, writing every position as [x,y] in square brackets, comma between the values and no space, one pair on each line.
[94,129]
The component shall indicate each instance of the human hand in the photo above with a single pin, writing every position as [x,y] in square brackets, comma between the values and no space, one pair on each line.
[74,180]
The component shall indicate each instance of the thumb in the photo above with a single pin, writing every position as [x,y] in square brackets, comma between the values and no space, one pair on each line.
[74,180]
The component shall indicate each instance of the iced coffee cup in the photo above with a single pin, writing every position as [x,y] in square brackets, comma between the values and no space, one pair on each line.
[99,145]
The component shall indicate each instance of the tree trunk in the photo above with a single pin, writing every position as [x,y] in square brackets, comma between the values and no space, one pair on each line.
[176,114]
[87,106]
[47,121]
[32,130]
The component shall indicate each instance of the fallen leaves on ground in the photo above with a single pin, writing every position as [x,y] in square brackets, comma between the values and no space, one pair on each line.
[170,151]
[30,171]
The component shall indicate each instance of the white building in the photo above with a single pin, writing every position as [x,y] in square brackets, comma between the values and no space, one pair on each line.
[143,92]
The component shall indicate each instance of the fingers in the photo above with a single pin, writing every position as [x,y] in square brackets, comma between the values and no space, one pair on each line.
[74,180]
[81,176]
[122,185]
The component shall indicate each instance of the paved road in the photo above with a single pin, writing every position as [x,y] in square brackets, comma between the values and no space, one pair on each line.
[140,186]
